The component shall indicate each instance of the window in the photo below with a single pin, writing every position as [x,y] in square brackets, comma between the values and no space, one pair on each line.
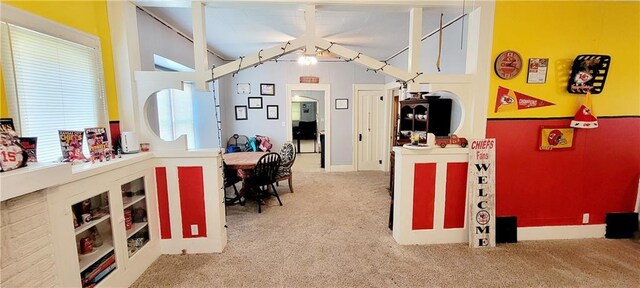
[51,84]
[175,114]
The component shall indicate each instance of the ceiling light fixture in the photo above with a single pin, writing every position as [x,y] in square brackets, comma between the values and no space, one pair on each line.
[307,60]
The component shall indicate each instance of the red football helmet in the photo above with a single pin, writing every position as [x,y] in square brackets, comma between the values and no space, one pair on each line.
[555,136]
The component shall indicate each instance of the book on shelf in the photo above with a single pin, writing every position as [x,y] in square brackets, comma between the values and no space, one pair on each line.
[90,275]
[98,143]
[71,145]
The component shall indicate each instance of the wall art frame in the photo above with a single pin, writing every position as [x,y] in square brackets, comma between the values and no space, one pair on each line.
[255,102]
[272,112]
[268,89]
[342,104]
[241,112]
[556,138]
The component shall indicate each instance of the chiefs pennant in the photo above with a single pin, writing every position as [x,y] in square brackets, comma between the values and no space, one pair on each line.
[509,100]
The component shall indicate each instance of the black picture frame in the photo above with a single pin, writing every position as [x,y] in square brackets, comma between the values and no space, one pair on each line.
[255,102]
[268,89]
[342,104]
[241,112]
[272,112]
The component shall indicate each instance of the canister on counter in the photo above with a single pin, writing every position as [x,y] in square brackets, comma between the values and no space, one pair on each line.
[127,219]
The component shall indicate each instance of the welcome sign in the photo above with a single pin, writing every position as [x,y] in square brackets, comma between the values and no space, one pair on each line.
[481,190]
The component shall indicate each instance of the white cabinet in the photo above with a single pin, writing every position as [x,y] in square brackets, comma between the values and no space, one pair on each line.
[119,198]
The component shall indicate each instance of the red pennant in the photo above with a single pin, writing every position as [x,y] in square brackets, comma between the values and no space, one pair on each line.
[509,100]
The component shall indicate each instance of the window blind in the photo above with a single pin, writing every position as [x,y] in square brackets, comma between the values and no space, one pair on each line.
[57,87]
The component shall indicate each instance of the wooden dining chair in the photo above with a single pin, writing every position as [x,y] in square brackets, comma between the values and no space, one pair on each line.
[288,154]
[231,178]
[263,178]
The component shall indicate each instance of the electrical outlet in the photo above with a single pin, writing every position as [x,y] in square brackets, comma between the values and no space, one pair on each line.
[585,218]
[194,230]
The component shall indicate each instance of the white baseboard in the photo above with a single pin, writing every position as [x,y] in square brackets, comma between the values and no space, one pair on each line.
[561,232]
[342,168]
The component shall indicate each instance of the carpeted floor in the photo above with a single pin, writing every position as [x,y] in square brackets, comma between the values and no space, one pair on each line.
[332,232]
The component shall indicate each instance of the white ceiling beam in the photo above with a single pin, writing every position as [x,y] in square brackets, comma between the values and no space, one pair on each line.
[200,45]
[310,33]
[415,44]
[253,60]
[407,3]
[364,60]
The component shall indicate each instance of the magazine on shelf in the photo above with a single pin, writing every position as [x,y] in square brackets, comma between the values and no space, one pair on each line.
[71,145]
[29,144]
[98,143]
[12,154]
[6,125]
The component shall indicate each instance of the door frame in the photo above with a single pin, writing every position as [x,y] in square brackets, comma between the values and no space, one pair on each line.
[326,88]
[354,118]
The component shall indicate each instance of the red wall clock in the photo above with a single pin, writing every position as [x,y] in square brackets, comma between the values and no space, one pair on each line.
[508,64]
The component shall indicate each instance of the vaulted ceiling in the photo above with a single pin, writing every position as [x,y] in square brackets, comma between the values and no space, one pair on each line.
[242,28]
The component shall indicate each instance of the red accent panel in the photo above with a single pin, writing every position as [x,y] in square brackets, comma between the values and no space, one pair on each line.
[424,194]
[114,128]
[456,196]
[191,185]
[541,188]
[163,202]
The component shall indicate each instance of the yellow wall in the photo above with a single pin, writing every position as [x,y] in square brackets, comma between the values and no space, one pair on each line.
[87,16]
[561,31]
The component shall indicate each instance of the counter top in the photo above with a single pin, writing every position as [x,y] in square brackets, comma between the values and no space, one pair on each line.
[42,175]
[34,177]
[434,151]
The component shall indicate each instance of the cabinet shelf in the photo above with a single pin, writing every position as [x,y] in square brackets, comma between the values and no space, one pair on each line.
[92,223]
[135,227]
[131,200]
[89,259]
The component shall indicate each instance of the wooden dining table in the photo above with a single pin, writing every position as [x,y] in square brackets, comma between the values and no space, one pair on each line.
[245,161]
[242,160]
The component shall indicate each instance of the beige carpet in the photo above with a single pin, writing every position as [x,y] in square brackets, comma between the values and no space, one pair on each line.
[332,232]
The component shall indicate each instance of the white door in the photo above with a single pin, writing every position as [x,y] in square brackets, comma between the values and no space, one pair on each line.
[370,134]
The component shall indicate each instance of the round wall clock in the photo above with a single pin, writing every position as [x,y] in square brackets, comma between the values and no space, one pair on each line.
[508,64]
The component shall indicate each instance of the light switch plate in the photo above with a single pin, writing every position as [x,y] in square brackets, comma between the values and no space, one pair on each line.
[194,230]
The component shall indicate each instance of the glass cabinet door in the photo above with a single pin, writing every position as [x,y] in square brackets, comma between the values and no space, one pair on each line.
[94,239]
[135,215]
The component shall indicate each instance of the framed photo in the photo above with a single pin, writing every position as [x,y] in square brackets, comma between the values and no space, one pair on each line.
[272,112]
[267,89]
[342,104]
[255,102]
[537,73]
[241,113]
[556,137]
[243,88]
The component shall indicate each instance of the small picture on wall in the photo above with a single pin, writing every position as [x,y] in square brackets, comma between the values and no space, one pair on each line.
[552,138]
[255,102]
[537,70]
[272,112]
[243,88]
[342,104]
[267,89]
[241,113]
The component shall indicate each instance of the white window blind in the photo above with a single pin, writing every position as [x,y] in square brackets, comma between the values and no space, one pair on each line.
[57,85]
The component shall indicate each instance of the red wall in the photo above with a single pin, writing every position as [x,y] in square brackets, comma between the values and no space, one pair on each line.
[191,185]
[424,193]
[547,188]
[163,202]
